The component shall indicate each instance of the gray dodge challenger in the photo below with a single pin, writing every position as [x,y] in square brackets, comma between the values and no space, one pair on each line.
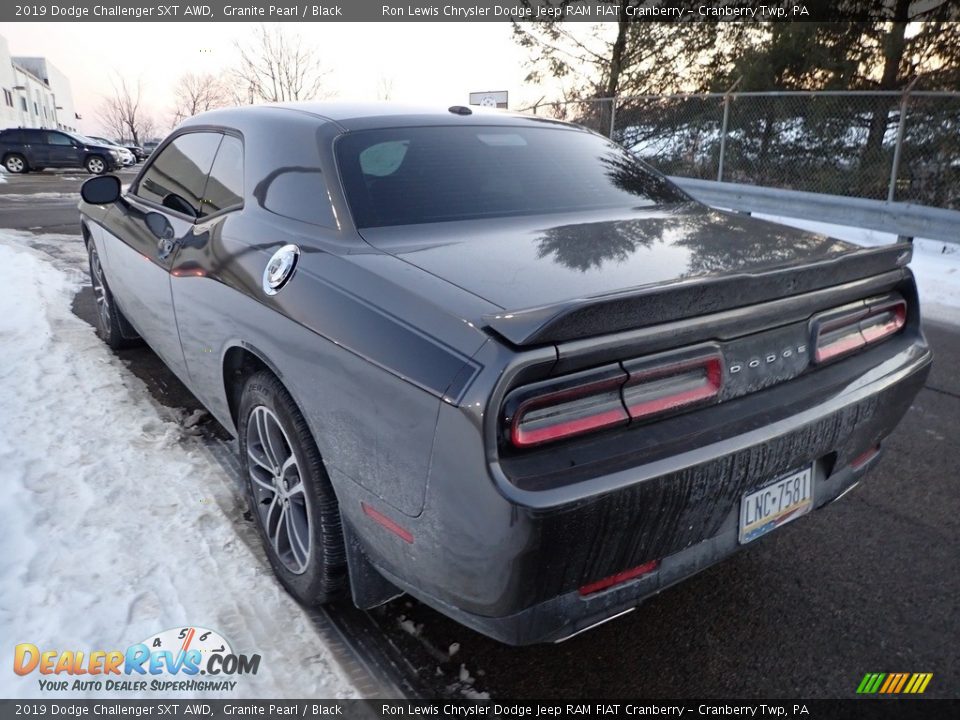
[493,360]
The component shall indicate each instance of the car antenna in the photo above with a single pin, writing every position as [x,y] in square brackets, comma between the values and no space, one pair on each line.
[460,110]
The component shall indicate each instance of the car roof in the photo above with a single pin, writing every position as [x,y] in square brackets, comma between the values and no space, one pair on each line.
[368,115]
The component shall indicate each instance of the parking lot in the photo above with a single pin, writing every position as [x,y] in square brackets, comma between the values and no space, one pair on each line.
[869,584]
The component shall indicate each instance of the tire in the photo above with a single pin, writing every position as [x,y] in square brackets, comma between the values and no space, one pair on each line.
[16,163]
[96,165]
[314,573]
[109,318]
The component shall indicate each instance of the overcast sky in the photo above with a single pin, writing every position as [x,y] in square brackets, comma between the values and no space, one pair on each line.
[426,62]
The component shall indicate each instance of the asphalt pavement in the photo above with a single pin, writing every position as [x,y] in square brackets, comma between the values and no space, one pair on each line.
[868,584]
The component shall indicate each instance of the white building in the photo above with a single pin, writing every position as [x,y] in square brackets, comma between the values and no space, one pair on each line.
[35,93]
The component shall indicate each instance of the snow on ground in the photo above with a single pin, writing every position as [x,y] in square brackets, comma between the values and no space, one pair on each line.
[32,197]
[935,264]
[117,524]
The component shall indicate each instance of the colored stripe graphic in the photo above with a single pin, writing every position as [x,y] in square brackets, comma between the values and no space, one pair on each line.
[894,683]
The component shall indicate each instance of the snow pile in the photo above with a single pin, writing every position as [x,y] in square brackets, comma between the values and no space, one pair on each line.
[935,264]
[117,524]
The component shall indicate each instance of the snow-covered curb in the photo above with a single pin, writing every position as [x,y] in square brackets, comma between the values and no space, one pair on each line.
[117,524]
[935,264]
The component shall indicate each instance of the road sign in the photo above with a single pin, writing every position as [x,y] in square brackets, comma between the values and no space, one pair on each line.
[493,99]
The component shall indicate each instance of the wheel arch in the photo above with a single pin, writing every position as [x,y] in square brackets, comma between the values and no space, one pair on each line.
[18,153]
[239,362]
[85,232]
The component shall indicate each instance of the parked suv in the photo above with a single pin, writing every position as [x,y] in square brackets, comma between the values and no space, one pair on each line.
[26,149]
[127,156]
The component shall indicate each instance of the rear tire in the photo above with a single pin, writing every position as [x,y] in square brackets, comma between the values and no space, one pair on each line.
[291,498]
[16,163]
[96,165]
[109,318]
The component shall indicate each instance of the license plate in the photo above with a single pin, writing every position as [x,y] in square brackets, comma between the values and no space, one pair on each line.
[776,504]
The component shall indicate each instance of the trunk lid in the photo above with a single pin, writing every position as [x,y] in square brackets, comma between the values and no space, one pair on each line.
[616,269]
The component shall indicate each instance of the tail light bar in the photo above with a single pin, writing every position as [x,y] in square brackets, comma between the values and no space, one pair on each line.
[610,396]
[575,404]
[672,386]
[644,388]
[840,335]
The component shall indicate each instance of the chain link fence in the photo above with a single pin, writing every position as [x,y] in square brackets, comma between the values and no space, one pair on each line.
[877,145]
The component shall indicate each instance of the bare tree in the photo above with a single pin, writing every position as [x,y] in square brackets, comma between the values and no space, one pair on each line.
[276,66]
[385,88]
[122,113]
[198,93]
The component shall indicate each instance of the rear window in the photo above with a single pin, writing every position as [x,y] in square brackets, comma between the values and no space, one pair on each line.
[406,176]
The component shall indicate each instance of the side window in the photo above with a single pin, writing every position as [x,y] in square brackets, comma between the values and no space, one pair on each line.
[225,185]
[300,193]
[33,136]
[178,175]
[54,138]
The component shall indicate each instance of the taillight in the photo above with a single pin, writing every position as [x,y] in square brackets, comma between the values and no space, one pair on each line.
[838,336]
[566,407]
[611,396]
[656,389]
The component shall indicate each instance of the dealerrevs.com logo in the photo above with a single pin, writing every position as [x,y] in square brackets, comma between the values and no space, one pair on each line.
[181,659]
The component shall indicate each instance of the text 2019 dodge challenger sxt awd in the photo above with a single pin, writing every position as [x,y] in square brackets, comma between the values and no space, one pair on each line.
[494,361]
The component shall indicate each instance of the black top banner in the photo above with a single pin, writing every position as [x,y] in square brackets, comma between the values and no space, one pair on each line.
[477,11]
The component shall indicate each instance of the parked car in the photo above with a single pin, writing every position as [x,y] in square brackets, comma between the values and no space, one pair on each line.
[126,156]
[149,146]
[26,149]
[494,360]
[138,152]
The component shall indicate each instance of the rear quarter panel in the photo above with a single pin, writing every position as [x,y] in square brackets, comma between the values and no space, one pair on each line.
[366,359]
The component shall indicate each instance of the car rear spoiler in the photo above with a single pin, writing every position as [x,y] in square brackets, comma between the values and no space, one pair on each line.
[655,304]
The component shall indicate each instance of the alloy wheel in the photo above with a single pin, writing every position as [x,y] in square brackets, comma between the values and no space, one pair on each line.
[95,165]
[100,292]
[277,484]
[15,164]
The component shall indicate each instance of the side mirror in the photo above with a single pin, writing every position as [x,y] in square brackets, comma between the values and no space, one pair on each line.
[101,190]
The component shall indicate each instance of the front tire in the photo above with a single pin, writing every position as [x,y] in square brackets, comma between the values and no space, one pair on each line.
[96,165]
[109,318]
[291,498]
[15,163]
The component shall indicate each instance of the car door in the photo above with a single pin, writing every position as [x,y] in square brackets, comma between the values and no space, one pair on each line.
[35,147]
[144,231]
[62,150]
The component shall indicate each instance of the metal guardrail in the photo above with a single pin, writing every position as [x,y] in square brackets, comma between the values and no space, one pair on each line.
[906,220]
[898,146]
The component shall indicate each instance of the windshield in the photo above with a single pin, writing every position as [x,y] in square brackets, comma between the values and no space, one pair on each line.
[406,176]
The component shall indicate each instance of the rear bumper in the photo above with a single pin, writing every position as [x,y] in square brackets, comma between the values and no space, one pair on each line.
[563,616]
[508,562]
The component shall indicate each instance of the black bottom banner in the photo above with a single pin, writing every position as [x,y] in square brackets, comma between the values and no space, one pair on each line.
[178,709]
